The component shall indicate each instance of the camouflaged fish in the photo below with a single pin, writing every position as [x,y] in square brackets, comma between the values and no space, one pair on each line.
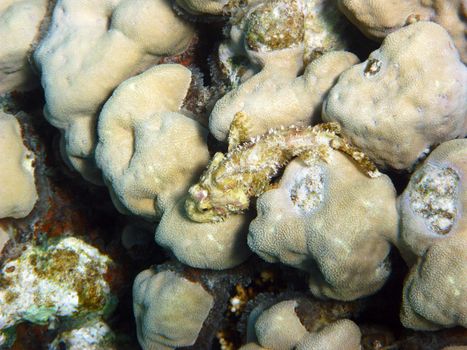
[247,169]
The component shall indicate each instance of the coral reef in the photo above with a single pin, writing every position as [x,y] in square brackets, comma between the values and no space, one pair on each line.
[169,309]
[377,19]
[18,192]
[280,327]
[259,40]
[404,99]
[208,245]
[434,229]
[272,100]
[60,279]
[331,211]
[95,335]
[307,222]
[91,42]
[141,124]
[20,22]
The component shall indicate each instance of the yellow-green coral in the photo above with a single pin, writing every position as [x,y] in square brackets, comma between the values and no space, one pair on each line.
[247,169]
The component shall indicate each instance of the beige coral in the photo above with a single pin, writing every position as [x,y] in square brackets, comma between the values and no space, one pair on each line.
[215,246]
[279,37]
[434,229]
[203,7]
[279,328]
[169,309]
[18,192]
[329,219]
[20,21]
[273,100]
[407,97]
[148,151]
[90,48]
[378,18]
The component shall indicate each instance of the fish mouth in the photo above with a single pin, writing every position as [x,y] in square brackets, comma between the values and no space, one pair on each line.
[201,215]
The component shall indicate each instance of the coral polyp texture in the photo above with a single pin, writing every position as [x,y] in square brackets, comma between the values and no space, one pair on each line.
[142,137]
[60,279]
[379,18]
[279,94]
[169,309]
[307,222]
[233,174]
[20,21]
[404,99]
[434,229]
[18,192]
[90,48]
[280,328]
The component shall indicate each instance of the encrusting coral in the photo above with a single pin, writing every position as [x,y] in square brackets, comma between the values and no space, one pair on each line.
[63,278]
[280,328]
[20,21]
[434,229]
[143,137]
[277,37]
[406,98]
[18,192]
[331,220]
[169,309]
[90,48]
[379,18]
[247,169]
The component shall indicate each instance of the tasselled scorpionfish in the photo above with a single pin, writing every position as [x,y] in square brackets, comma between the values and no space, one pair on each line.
[247,169]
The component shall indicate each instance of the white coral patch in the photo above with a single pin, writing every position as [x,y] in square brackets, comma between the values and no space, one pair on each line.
[94,336]
[307,190]
[31,292]
[434,196]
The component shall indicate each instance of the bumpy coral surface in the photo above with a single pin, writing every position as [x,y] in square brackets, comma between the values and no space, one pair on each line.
[279,38]
[19,28]
[90,48]
[273,100]
[331,220]
[18,192]
[280,328]
[169,309]
[209,245]
[434,228]
[247,170]
[379,18]
[61,279]
[143,93]
[142,142]
[203,7]
[404,99]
